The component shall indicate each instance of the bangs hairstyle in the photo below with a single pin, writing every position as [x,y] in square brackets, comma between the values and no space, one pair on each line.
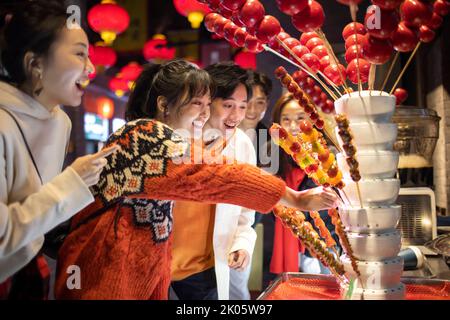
[178,81]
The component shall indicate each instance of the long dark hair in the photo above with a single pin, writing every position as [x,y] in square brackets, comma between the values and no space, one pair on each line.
[178,81]
[285,161]
[33,27]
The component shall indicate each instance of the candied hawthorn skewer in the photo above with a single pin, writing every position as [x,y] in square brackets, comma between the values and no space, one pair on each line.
[295,220]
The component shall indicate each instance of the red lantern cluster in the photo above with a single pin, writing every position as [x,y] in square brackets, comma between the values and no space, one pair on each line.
[109,19]
[119,85]
[194,10]
[157,49]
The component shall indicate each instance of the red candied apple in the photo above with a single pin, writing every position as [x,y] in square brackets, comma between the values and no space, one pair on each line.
[253,45]
[268,29]
[353,52]
[325,62]
[364,67]
[311,61]
[251,13]
[309,19]
[352,28]
[426,35]
[306,127]
[328,107]
[416,13]
[400,95]
[441,7]
[239,37]
[387,4]
[306,36]
[435,22]
[353,40]
[232,5]
[314,42]
[376,51]
[404,38]
[210,18]
[336,73]
[380,24]
[274,42]
[291,7]
[300,50]
[320,51]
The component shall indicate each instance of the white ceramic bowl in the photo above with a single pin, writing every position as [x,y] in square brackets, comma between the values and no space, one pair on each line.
[376,274]
[380,192]
[375,246]
[370,219]
[369,106]
[372,165]
[394,293]
[371,136]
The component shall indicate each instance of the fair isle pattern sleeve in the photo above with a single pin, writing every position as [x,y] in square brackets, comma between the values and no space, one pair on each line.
[145,167]
[146,148]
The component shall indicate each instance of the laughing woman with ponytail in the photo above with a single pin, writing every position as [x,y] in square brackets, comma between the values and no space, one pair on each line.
[43,64]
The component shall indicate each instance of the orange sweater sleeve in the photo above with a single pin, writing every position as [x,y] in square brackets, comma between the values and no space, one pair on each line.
[148,166]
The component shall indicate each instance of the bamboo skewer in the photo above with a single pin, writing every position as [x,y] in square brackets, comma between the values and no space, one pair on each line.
[391,67]
[333,56]
[359,195]
[405,67]
[308,69]
[372,74]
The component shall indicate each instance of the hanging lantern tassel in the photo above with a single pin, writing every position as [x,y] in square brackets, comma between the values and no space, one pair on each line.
[193,10]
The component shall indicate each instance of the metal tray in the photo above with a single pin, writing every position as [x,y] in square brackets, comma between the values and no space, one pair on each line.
[325,287]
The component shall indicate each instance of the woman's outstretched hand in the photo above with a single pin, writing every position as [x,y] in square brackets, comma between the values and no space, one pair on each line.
[315,199]
[90,167]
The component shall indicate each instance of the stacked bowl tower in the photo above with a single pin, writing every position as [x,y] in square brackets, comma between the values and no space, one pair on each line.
[371,218]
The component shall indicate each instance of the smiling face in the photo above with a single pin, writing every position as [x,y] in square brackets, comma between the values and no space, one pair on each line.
[227,114]
[65,69]
[290,117]
[191,117]
[256,108]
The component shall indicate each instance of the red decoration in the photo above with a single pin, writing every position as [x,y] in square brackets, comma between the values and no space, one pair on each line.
[210,18]
[246,60]
[102,56]
[105,107]
[193,10]
[156,48]
[108,19]
[118,85]
[310,18]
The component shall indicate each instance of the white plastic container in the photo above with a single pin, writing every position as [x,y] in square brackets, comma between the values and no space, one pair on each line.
[366,106]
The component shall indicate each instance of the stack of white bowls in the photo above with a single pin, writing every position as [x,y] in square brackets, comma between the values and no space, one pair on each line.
[371,228]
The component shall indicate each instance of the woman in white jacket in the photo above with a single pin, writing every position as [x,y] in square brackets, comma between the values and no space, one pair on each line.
[44,64]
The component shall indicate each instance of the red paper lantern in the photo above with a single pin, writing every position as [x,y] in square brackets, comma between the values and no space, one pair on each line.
[118,85]
[101,56]
[156,48]
[193,10]
[131,72]
[109,19]
[246,60]
[105,107]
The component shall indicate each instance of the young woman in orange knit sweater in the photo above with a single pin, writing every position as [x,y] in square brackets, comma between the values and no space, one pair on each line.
[121,243]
